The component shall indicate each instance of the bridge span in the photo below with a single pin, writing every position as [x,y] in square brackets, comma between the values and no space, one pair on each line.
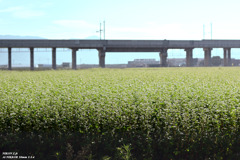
[104,46]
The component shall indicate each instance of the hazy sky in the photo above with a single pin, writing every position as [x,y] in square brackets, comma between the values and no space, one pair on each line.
[125,19]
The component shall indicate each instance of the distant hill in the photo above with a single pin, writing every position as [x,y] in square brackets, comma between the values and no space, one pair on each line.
[92,37]
[19,37]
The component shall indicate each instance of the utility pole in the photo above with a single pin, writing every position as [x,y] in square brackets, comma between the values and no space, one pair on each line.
[203,31]
[100,31]
[104,29]
[211,31]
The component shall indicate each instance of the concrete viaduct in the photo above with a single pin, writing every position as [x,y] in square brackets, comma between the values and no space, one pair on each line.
[104,46]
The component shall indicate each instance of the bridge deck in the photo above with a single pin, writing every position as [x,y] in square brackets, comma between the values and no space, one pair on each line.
[121,45]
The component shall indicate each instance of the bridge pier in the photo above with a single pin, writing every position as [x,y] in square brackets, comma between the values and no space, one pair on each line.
[101,56]
[32,58]
[227,56]
[189,57]
[74,58]
[9,58]
[54,65]
[163,57]
[207,56]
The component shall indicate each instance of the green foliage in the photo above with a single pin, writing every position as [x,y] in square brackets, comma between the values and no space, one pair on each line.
[69,153]
[173,113]
[125,152]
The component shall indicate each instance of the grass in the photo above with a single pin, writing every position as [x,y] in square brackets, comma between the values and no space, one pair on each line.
[183,109]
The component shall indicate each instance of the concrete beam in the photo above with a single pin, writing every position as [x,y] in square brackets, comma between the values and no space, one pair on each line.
[189,57]
[74,58]
[101,56]
[133,50]
[207,56]
[163,57]
[9,58]
[117,45]
[54,64]
[32,58]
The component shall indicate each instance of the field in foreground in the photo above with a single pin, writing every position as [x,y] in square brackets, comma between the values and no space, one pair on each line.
[165,113]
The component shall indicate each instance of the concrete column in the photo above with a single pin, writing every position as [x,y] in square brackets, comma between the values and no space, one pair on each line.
[163,57]
[101,56]
[74,58]
[229,57]
[9,58]
[225,56]
[31,58]
[54,64]
[207,56]
[189,57]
